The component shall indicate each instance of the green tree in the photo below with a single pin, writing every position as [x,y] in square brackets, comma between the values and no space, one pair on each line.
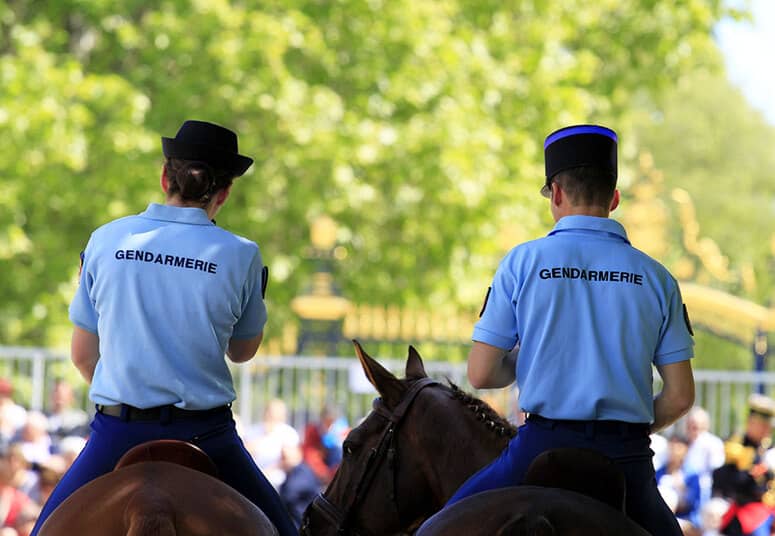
[416,124]
[710,141]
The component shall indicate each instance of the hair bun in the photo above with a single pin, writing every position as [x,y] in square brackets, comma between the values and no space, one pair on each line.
[195,180]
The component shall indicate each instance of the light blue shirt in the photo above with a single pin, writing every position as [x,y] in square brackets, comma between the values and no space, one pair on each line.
[591,315]
[165,290]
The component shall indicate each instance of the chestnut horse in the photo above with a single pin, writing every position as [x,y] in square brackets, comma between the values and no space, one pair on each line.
[160,488]
[422,440]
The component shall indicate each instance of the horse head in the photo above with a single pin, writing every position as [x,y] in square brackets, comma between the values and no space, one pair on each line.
[419,443]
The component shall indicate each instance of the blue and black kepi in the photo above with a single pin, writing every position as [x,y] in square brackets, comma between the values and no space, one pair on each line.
[576,146]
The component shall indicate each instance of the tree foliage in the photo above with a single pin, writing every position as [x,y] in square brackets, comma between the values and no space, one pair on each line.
[416,124]
[708,140]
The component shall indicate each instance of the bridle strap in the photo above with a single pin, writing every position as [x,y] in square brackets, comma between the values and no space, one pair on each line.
[398,413]
[386,444]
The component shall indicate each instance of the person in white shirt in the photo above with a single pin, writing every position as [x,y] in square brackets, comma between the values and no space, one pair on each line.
[266,441]
[706,450]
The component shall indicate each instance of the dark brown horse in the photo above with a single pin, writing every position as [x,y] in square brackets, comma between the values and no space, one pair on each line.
[530,511]
[420,443]
[161,488]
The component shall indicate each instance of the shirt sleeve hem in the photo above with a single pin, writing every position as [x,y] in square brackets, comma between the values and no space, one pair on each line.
[83,325]
[493,339]
[246,336]
[674,357]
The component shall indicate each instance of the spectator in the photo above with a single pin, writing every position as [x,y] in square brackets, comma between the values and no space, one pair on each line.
[12,415]
[706,450]
[21,474]
[64,419]
[50,474]
[659,448]
[712,515]
[674,481]
[34,438]
[69,449]
[13,503]
[301,485]
[744,458]
[747,515]
[322,446]
[743,479]
[268,438]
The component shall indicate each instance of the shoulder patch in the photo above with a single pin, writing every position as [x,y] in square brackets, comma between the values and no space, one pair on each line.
[484,305]
[264,280]
[80,266]
[688,322]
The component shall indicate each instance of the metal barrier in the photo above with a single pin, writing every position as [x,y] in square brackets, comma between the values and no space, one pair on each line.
[308,384]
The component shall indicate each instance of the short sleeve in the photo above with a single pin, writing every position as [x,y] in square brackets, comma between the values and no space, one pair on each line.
[676,342]
[82,312]
[251,322]
[497,325]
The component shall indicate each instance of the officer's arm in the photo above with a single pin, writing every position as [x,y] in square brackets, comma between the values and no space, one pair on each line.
[677,395]
[490,367]
[85,352]
[241,350]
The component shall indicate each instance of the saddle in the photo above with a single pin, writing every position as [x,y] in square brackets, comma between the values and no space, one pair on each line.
[581,470]
[172,451]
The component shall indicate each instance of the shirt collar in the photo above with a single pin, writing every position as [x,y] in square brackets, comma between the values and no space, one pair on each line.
[591,223]
[191,215]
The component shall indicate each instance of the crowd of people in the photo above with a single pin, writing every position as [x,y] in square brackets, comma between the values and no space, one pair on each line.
[36,449]
[714,486]
[717,486]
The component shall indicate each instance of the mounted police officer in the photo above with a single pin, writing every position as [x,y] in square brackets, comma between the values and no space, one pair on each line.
[163,295]
[746,479]
[578,319]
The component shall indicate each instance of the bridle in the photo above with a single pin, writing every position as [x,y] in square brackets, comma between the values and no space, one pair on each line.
[385,450]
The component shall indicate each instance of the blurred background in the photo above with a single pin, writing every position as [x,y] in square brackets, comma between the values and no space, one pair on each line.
[398,157]
[398,151]
[415,126]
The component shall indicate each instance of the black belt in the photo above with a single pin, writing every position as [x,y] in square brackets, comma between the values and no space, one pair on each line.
[158,413]
[637,429]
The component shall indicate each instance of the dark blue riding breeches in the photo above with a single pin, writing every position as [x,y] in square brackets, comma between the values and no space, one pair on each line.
[631,453]
[215,434]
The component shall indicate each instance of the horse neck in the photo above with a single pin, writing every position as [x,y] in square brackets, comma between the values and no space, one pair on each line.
[455,444]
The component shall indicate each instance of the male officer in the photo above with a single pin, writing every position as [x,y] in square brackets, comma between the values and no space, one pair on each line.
[746,474]
[587,315]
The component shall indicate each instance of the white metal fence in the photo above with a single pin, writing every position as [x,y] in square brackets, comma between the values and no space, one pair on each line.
[307,384]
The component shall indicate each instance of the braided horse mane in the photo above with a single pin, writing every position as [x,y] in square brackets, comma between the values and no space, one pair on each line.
[385,383]
[483,411]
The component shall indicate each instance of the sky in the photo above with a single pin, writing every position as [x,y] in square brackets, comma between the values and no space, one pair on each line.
[748,49]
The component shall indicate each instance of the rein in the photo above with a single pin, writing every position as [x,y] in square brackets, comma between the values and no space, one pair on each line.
[385,450]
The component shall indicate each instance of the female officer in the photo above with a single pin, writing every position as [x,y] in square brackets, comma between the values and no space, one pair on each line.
[163,295]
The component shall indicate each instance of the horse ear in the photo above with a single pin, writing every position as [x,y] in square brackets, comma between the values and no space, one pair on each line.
[414,366]
[387,385]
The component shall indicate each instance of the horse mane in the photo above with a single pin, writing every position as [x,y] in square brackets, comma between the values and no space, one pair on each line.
[491,418]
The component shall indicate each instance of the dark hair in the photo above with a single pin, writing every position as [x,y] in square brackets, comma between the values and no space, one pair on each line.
[194,180]
[587,185]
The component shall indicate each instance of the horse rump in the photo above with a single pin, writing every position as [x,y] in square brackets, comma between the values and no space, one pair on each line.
[530,510]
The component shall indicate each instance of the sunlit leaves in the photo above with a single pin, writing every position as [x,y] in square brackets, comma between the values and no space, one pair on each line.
[417,125]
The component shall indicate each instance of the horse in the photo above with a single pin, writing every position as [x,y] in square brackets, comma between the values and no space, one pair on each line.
[421,441]
[159,488]
[568,491]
